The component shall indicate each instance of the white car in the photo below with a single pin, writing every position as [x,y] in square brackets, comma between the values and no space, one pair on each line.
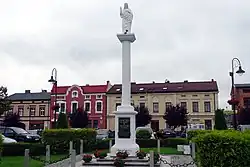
[7,140]
[148,129]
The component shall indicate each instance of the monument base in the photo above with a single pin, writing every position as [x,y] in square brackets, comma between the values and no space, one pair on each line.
[125,135]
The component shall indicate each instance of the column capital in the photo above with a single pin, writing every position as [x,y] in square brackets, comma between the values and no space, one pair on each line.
[126,37]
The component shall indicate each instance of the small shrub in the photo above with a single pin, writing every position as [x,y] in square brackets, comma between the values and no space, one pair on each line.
[103,155]
[119,162]
[156,157]
[87,158]
[143,134]
[122,154]
[141,154]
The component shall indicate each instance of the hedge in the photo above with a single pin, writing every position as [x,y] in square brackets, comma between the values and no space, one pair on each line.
[1,143]
[194,133]
[143,134]
[17,149]
[223,149]
[59,139]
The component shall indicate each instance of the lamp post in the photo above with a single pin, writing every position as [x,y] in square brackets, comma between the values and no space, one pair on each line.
[235,63]
[53,80]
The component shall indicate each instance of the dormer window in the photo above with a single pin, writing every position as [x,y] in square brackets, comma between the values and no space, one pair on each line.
[98,96]
[141,89]
[118,89]
[165,88]
[74,94]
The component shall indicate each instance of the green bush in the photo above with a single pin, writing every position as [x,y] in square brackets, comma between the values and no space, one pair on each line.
[1,143]
[143,134]
[223,149]
[62,122]
[193,133]
[17,149]
[169,142]
[59,139]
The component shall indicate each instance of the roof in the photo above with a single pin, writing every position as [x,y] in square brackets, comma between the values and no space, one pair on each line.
[29,96]
[205,86]
[247,85]
[88,89]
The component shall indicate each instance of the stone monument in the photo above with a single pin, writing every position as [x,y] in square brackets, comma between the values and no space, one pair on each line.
[125,135]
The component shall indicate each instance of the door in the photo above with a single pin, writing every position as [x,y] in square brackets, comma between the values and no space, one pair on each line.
[155,125]
[208,124]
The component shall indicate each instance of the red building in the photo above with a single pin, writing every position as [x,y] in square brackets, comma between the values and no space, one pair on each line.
[242,94]
[91,98]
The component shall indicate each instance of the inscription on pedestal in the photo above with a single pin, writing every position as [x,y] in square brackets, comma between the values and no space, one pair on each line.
[124,127]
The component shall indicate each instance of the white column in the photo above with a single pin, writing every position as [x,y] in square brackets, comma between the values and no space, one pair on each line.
[126,73]
[125,111]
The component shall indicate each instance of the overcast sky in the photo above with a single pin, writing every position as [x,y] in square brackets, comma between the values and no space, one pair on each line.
[176,40]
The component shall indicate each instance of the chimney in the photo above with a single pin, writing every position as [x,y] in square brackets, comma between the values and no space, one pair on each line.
[27,91]
[87,84]
[153,82]
[108,82]
[212,80]
[185,81]
[44,91]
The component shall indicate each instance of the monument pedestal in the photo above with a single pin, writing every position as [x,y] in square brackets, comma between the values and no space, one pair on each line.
[125,134]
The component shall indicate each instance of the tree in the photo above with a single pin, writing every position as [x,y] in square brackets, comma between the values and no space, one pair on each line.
[176,116]
[4,102]
[220,121]
[62,122]
[80,120]
[244,116]
[13,120]
[142,117]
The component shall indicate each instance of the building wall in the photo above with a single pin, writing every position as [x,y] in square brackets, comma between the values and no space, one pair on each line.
[27,119]
[240,95]
[162,98]
[81,101]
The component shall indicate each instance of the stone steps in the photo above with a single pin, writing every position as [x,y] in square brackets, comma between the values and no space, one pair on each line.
[129,162]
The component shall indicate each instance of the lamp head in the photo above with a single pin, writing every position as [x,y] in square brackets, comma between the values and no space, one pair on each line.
[240,71]
[52,80]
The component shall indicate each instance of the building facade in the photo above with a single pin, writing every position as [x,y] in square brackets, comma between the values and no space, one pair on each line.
[200,99]
[90,98]
[242,94]
[33,108]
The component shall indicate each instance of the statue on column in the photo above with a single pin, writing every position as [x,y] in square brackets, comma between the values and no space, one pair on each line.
[127,17]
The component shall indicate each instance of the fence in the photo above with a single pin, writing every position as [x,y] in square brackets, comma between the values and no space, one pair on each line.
[70,159]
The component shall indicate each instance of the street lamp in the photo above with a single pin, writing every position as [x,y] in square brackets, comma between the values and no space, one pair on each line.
[240,71]
[53,80]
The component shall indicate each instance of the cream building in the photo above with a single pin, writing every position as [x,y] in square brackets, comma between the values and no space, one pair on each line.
[33,108]
[200,99]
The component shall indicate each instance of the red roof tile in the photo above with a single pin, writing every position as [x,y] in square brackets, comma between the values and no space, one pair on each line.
[88,89]
[206,86]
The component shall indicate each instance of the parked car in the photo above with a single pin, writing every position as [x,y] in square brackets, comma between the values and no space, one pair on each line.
[166,133]
[148,129]
[102,134]
[36,132]
[19,134]
[7,140]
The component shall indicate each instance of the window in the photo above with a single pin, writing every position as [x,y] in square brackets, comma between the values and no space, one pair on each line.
[63,107]
[183,95]
[195,106]
[20,110]
[184,105]
[168,105]
[247,102]
[87,106]
[142,97]
[99,106]
[208,124]
[207,106]
[95,124]
[98,96]
[118,97]
[74,93]
[142,104]
[89,124]
[32,110]
[155,107]
[116,105]
[194,95]
[74,106]
[206,95]
[246,90]
[42,110]
[87,96]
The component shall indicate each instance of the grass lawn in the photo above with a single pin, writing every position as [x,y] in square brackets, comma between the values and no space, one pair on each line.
[18,161]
